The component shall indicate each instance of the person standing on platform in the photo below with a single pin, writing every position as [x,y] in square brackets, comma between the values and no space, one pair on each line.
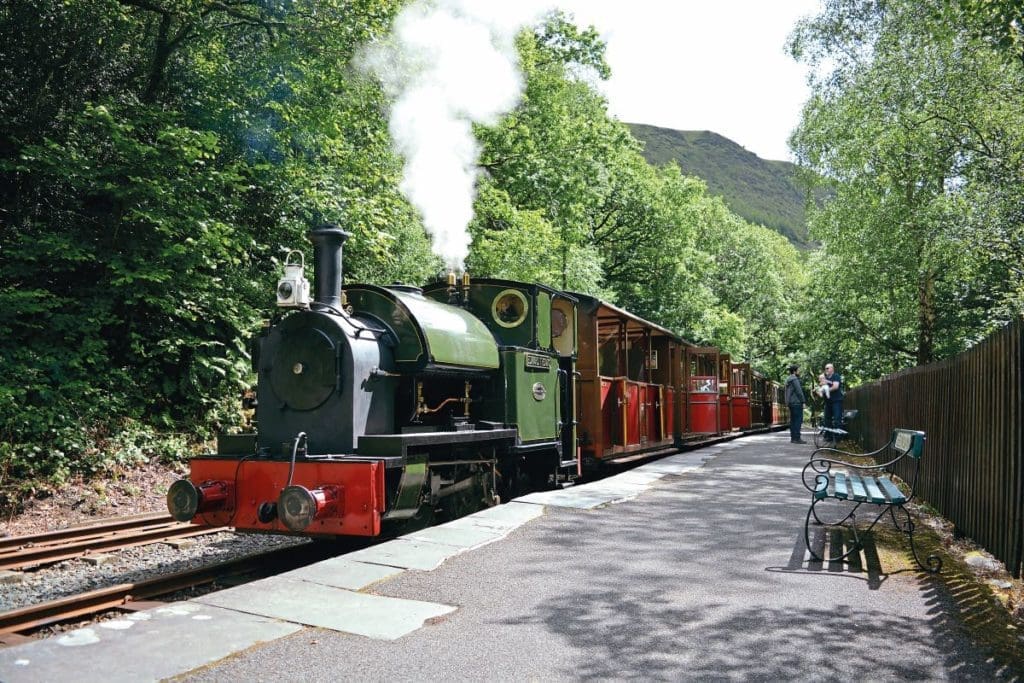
[834,401]
[795,400]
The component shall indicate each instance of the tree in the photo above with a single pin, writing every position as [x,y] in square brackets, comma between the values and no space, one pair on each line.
[553,153]
[156,158]
[909,131]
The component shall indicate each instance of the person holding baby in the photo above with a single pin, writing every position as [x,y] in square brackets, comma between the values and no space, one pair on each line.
[831,389]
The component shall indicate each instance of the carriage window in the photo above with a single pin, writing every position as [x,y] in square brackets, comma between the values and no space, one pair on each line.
[563,326]
[608,353]
[558,323]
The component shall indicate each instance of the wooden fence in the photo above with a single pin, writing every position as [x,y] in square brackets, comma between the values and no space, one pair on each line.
[971,407]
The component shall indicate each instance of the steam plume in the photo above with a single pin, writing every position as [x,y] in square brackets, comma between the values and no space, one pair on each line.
[446,65]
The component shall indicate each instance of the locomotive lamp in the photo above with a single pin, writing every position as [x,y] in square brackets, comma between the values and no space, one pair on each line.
[298,507]
[293,287]
[185,500]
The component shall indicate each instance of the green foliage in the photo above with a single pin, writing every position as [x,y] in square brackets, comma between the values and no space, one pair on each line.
[170,152]
[112,300]
[519,244]
[553,153]
[577,192]
[998,21]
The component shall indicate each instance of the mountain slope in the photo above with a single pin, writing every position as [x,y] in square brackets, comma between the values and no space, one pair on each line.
[759,190]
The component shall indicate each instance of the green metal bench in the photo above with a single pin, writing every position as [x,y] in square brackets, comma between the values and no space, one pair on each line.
[865,485]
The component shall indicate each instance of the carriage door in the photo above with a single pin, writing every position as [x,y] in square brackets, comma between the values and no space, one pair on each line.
[567,396]
[564,340]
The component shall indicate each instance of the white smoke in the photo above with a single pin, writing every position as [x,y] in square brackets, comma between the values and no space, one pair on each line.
[446,65]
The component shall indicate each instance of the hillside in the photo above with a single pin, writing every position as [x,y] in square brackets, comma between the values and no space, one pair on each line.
[759,190]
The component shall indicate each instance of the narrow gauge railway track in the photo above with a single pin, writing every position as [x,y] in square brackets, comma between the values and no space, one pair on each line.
[24,552]
[137,596]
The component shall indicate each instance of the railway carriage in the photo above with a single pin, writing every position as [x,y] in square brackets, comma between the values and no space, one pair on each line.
[759,417]
[629,384]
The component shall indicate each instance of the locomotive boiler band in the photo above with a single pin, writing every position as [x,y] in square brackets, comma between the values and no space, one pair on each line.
[381,407]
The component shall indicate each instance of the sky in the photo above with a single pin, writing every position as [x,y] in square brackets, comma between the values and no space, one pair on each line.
[717,65]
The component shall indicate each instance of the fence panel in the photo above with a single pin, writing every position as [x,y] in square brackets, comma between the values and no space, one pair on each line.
[971,407]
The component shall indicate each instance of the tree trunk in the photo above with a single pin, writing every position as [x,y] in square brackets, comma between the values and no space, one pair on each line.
[926,318]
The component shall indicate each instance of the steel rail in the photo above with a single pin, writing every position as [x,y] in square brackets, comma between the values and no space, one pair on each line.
[85,530]
[23,552]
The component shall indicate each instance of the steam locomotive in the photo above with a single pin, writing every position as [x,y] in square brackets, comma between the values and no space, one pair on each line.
[380,408]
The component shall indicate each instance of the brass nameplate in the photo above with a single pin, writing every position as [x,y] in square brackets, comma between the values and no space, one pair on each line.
[537,362]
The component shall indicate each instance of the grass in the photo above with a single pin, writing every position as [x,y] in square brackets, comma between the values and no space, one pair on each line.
[759,190]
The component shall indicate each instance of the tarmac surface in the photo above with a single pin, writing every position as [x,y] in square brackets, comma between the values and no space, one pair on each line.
[692,567]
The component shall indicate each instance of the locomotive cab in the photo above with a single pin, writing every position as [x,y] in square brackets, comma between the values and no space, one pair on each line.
[535,328]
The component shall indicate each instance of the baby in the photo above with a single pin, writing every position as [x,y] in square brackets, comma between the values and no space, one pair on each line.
[823,389]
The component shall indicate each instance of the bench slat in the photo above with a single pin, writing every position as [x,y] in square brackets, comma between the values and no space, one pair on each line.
[874,493]
[858,488]
[895,495]
[842,491]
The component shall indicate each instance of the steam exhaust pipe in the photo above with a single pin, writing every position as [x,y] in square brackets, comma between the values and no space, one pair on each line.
[328,241]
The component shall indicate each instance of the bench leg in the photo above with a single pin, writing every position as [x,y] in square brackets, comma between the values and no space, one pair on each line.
[817,520]
[934,562]
[811,512]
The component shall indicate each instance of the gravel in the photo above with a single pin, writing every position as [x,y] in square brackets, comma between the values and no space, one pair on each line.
[133,565]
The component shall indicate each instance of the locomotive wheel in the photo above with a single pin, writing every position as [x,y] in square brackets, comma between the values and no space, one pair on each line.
[425,517]
[540,479]
[465,502]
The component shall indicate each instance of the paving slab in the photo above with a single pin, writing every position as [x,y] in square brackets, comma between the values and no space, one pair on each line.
[510,516]
[638,476]
[614,489]
[676,464]
[142,646]
[313,604]
[584,498]
[342,572]
[407,554]
[459,536]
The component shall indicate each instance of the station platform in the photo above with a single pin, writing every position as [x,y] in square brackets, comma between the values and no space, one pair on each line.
[689,567]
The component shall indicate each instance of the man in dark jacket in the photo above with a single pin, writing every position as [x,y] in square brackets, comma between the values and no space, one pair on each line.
[795,400]
[834,400]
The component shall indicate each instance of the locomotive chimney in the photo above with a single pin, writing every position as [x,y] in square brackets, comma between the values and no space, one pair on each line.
[327,243]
